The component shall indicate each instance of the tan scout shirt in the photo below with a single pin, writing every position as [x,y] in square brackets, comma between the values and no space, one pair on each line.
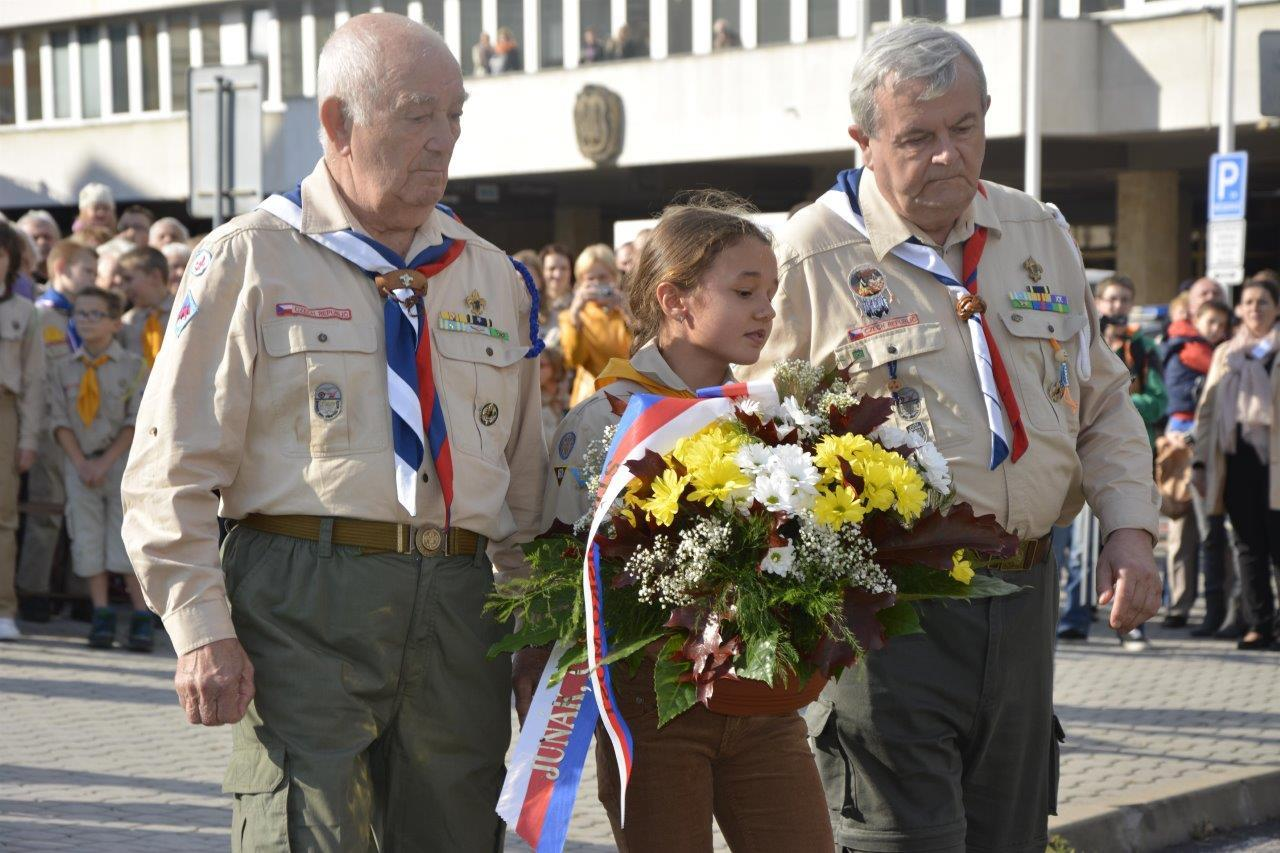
[243,401]
[53,331]
[120,385]
[567,498]
[135,320]
[22,367]
[1099,453]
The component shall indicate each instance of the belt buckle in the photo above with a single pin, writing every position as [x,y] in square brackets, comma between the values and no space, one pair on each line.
[429,541]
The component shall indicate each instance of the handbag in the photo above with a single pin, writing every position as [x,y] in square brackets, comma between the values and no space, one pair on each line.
[1173,476]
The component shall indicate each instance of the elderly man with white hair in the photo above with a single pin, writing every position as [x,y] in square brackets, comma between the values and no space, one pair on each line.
[43,230]
[965,302]
[354,371]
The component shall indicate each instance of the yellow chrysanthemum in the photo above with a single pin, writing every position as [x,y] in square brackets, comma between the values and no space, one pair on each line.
[665,502]
[707,445]
[832,448]
[877,484]
[909,488]
[838,507]
[961,569]
[716,480]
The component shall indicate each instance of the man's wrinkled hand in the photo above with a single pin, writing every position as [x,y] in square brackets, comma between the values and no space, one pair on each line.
[1128,579]
[526,671]
[215,683]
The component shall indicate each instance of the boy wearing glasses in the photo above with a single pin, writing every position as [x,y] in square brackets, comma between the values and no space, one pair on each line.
[93,404]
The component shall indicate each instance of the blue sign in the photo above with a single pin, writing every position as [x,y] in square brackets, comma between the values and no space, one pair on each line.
[1228,183]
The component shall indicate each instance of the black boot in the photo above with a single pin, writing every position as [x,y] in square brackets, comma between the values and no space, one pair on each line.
[1215,611]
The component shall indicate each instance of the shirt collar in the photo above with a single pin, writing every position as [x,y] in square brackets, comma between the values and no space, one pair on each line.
[324,211]
[649,361]
[112,352]
[886,229]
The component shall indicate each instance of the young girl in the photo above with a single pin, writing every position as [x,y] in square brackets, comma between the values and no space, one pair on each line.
[700,295]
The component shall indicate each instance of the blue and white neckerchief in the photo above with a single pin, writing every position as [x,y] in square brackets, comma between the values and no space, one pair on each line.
[58,302]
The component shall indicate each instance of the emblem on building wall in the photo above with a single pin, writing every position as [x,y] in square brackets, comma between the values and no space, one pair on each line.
[597,121]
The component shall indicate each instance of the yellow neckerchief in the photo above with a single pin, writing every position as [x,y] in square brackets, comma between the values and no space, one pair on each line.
[88,398]
[621,368]
[152,336]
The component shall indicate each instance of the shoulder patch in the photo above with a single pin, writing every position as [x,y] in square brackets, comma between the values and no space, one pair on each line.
[186,312]
[567,441]
[200,263]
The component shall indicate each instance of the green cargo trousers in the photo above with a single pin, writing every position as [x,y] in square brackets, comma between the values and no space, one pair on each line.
[946,741]
[378,722]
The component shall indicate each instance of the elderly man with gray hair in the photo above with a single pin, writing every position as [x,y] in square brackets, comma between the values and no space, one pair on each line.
[966,303]
[354,371]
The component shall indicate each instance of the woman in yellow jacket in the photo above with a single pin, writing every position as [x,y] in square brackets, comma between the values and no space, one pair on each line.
[594,328]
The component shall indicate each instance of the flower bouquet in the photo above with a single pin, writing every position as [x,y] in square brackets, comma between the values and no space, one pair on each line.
[769,533]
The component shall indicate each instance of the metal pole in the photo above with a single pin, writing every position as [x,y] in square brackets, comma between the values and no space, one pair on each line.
[1227,129]
[218,185]
[1031,131]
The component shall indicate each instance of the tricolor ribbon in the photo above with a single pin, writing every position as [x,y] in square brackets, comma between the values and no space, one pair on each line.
[537,797]
[997,390]
[417,420]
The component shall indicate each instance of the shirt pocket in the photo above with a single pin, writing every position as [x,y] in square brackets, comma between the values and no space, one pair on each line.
[477,379]
[1036,340]
[326,387]
[11,334]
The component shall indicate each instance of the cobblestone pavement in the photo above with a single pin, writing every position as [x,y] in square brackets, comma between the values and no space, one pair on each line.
[96,753]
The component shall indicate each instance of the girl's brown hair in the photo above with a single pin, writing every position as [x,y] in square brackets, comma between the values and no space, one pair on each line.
[684,244]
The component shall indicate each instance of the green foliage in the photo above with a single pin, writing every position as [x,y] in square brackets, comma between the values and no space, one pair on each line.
[916,583]
[675,694]
[900,620]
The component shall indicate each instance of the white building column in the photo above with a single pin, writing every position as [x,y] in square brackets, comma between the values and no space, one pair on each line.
[195,43]
[572,19]
[895,10]
[133,61]
[106,85]
[413,11]
[307,32]
[1068,8]
[164,66]
[275,58]
[799,21]
[19,82]
[453,27]
[702,24]
[532,36]
[1011,8]
[748,24]
[73,71]
[657,29]
[341,14]
[233,37]
[847,18]
[489,18]
[46,77]
[955,11]
[617,14]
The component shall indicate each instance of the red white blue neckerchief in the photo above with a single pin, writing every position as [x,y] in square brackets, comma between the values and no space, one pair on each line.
[417,420]
[997,391]
[546,767]
[58,302]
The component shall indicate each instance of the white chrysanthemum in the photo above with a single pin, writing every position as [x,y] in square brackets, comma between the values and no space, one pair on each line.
[792,462]
[778,561]
[774,490]
[749,406]
[796,414]
[891,435]
[932,466]
[752,457]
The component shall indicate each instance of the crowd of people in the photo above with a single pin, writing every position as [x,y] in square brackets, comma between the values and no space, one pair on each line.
[83,318]
[1203,384]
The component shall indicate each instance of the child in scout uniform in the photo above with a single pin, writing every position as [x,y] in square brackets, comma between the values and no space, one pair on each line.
[21,411]
[94,400]
[145,275]
[72,267]
[700,293]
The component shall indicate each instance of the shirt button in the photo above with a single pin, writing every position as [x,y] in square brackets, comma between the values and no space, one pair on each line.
[152,431]
[1017,318]
[488,350]
[891,349]
[426,478]
[1051,327]
[323,337]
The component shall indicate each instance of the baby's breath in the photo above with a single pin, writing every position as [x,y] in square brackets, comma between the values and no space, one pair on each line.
[670,577]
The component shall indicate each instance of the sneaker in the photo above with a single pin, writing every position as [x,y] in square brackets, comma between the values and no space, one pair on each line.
[102,633]
[141,632]
[9,630]
[1173,620]
[1134,641]
[1073,634]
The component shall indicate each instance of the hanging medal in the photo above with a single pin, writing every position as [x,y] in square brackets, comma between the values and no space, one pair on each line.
[871,290]
[1062,391]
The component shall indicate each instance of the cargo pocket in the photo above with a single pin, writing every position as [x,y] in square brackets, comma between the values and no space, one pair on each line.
[260,819]
[1055,762]
[834,768]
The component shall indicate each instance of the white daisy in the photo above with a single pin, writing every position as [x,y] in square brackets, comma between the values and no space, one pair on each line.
[778,561]
[932,466]
[796,414]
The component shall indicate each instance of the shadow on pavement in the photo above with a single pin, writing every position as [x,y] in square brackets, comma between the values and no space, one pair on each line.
[88,690]
[26,775]
[93,813]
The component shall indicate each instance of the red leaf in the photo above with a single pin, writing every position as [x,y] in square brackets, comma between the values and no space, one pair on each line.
[862,417]
[860,609]
[618,405]
[766,431]
[648,467]
[685,617]
[935,537]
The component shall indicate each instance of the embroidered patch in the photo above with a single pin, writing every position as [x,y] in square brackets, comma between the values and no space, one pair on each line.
[186,312]
[200,263]
[1037,297]
[293,309]
[870,329]
[871,290]
[328,400]
[560,472]
[476,302]
[489,414]
[907,404]
[54,335]
[567,441]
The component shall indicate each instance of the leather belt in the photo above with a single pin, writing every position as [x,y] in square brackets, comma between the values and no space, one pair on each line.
[372,536]
[1029,553]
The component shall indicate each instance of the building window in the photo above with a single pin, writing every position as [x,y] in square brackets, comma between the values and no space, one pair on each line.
[1090,6]
[31,46]
[930,10]
[773,22]
[60,40]
[729,11]
[359,7]
[179,59]
[210,39]
[290,51]
[433,14]
[511,14]
[323,11]
[551,39]
[7,105]
[472,25]
[90,81]
[594,16]
[118,34]
[679,26]
[824,19]
[150,65]
[879,11]
[981,8]
[396,7]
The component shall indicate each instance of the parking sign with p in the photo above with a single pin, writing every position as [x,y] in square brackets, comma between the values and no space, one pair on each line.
[1228,182]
